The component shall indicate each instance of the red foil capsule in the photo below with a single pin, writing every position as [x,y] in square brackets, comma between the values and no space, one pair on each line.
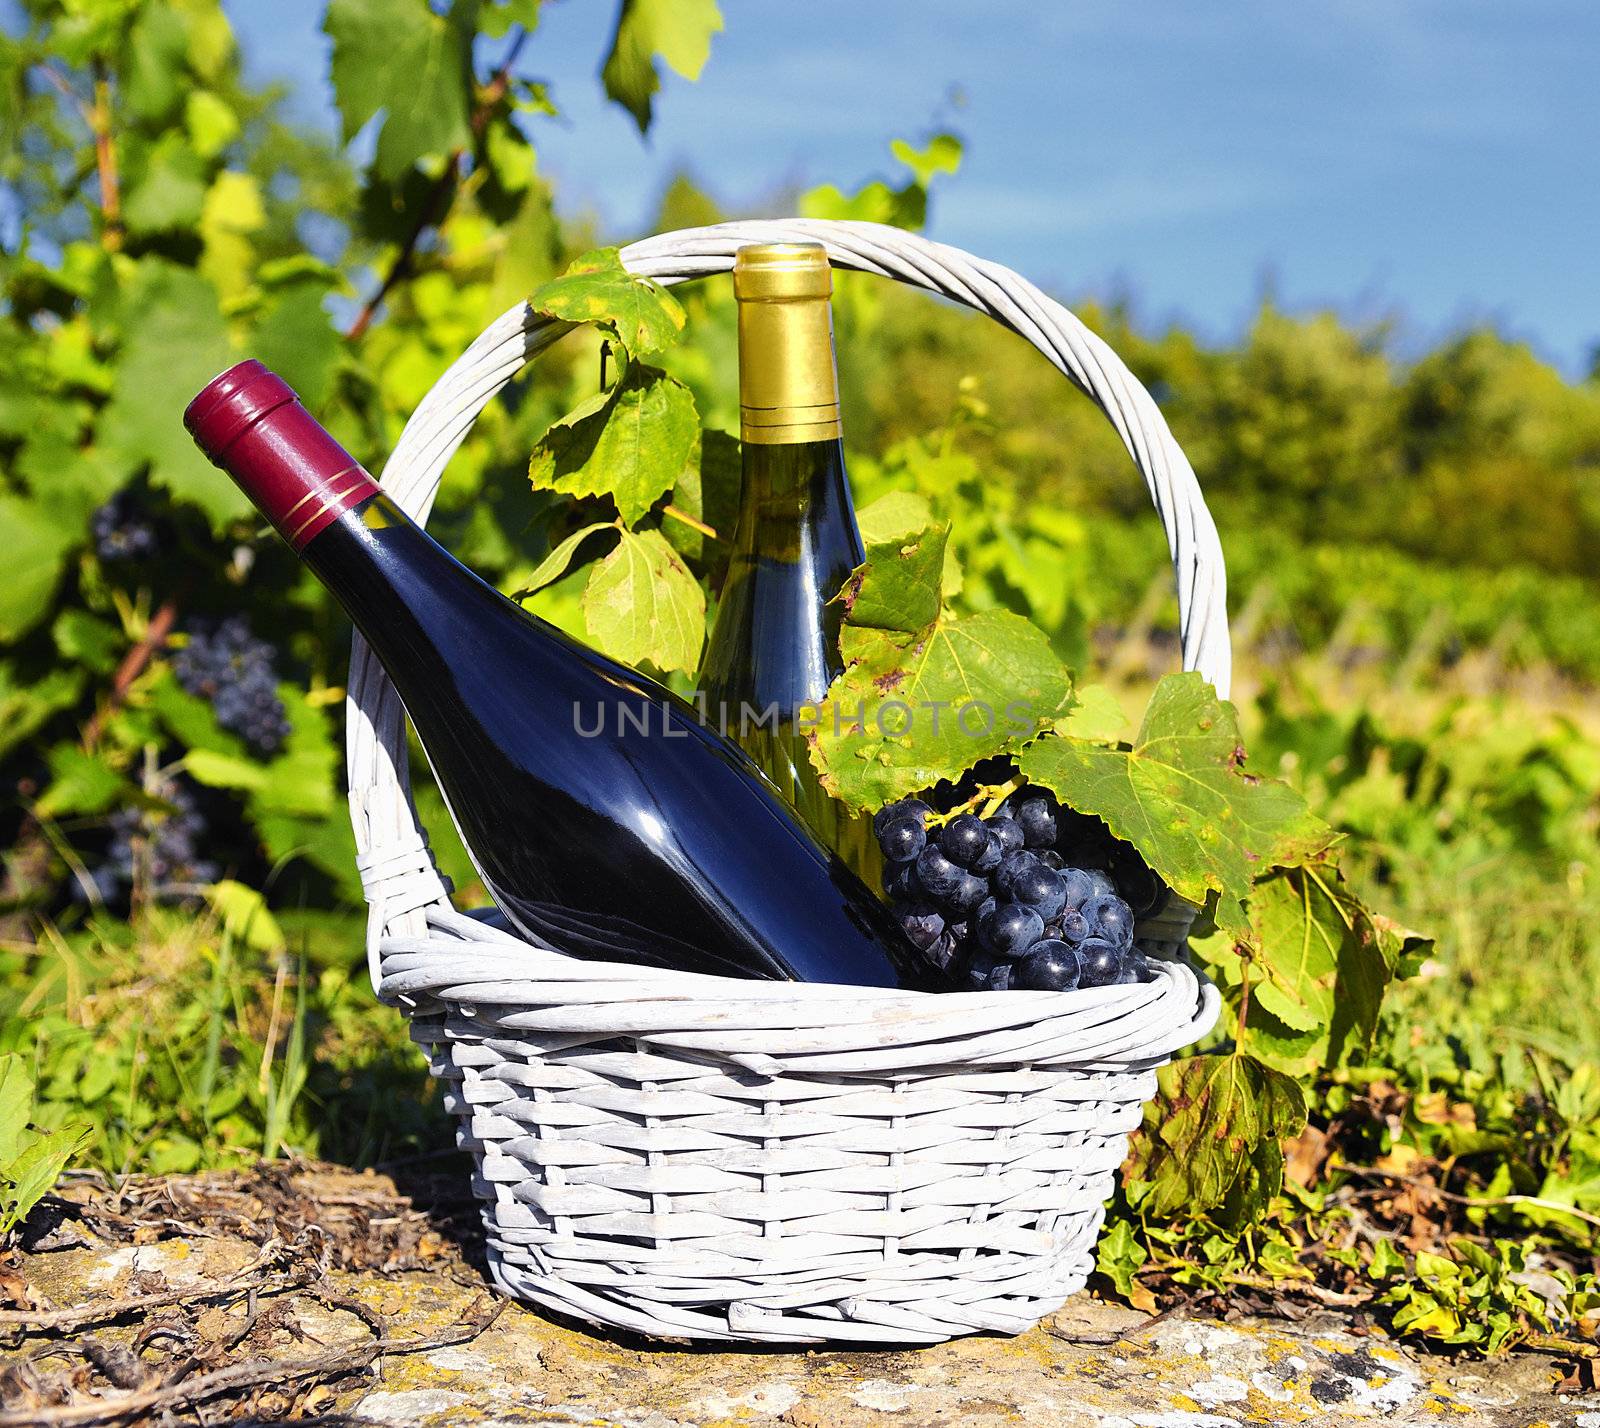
[249,422]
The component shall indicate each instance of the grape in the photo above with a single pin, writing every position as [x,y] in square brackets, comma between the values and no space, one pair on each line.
[983,909]
[1038,821]
[1108,917]
[1010,930]
[964,839]
[902,839]
[122,529]
[1101,884]
[1074,926]
[1008,831]
[1040,888]
[163,843]
[1137,884]
[922,925]
[905,808]
[957,930]
[900,880]
[942,953]
[1050,966]
[1012,866]
[1051,859]
[937,874]
[989,859]
[1078,885]
[969,893]
[226,664]
[988,974]
[1102,963]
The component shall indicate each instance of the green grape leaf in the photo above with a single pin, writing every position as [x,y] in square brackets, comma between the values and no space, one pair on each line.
[302,775]
[630,443]
[940,155]
[82,639]
[1119,1256]
[899,589]
[899,514]
[925,694]
[79,783]
[1318,963]
[177,342]
[678,32]
[211,122]
[26,704]
[400,57]
[1181,798]
[16,1107]
[35,1169]
[496,19]
[243,913]
[1213,1137]
[170,191]
[297,340]
[708,490]
[1096,714]
[596,288]
[642,604]
[36,542]
[554,566]
[217,770]
[157,76]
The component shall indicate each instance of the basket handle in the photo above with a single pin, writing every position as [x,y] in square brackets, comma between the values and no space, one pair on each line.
[385,820]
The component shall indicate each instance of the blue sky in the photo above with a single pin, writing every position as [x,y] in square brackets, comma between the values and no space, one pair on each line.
[1434,160]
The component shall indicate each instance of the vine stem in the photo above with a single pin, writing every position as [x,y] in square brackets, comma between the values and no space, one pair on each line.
[97,115]
[105,162]
[690,521]
[436,206]
[132,666]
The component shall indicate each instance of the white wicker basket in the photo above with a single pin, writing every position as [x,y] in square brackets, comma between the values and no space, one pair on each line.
[705,1158]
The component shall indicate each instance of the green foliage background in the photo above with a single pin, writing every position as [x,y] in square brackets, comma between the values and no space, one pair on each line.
[1411,546]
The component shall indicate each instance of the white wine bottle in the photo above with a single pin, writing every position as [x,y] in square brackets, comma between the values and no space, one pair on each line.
[774,648]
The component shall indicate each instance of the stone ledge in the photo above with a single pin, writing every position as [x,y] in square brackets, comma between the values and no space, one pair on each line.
[392,1270]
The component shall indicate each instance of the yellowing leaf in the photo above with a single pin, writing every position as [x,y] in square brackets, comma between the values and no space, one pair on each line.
[1180,796]
[244,915]
[630,443]
[644,316]
[642,604]
[925,694]
[678,32]
[1215,1134]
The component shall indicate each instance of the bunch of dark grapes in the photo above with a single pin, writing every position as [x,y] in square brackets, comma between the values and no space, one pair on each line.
[158,848]
[123,529]
[1035,897]
[228,665]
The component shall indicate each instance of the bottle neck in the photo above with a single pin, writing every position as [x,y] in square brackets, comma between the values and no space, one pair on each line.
[788,381]
[795,508]
[251,424]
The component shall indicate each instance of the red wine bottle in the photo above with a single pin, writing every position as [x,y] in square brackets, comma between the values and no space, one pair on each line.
[605,819]
[774,647]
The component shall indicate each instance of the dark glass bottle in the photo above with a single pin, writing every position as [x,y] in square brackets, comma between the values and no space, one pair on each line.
[604,818]
[774,648]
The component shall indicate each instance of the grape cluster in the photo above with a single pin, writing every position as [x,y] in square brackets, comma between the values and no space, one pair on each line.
[1034,897]
[228,665]
[158,848]
[123,530]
